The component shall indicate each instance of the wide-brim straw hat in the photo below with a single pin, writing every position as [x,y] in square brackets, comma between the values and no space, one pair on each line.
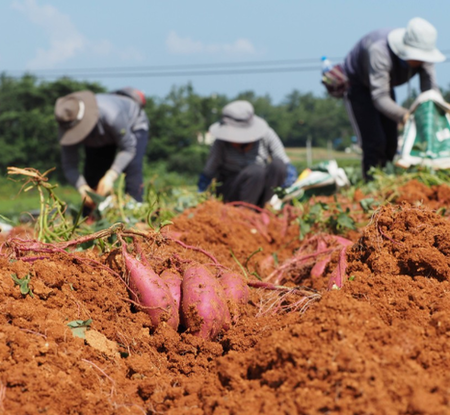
[416,42]
[76,114]
[239,124]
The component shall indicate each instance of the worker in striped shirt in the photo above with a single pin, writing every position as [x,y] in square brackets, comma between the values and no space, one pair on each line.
[247,158]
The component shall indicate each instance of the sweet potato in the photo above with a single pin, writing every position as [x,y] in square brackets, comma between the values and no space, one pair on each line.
[150,291]
[204,309]
[236,292]
[235,287]
[173,281]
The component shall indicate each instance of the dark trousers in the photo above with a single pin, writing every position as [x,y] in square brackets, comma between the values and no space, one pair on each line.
[99,160]
[376,133]
[254,184]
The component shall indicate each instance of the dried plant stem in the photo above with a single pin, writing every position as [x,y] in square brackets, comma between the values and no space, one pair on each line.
[210,256]
[113,383]
[36,246]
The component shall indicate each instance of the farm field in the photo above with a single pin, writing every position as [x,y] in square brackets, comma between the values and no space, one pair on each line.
[348,312]
[298,154]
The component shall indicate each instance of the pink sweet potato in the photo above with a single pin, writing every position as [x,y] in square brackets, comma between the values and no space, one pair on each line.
[173,281]
[236,292]
[204,309]
[150,291]
[235,287]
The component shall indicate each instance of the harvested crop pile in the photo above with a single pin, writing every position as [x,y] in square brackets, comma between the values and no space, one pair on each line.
[73,340]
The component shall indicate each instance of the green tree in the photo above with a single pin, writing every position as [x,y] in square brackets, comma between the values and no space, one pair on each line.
[176,122]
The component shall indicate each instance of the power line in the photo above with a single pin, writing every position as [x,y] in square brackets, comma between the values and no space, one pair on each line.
[175,70]
[191,66]
[187,73]
[187,66]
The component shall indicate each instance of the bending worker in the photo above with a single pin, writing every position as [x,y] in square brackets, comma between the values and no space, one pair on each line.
[247,158]
[113,130]
[380,61]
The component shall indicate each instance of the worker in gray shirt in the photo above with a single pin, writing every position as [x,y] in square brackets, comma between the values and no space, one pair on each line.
[113,130]
[247,157]
[380,61]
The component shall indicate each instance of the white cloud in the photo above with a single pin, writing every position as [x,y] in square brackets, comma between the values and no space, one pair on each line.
[65,40]
[102,47]
[131,54]
[187,46]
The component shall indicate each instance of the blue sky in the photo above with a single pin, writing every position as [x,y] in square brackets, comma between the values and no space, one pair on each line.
[89,39]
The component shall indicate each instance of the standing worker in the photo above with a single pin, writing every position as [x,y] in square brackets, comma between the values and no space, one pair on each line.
[247,158]
[113,129]
[380,61]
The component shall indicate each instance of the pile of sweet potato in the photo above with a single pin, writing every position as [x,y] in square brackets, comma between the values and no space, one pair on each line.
[198,301]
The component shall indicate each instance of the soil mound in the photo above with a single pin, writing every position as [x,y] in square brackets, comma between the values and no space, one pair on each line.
[377,346]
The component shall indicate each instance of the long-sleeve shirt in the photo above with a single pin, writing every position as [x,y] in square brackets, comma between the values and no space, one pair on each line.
[225,159]
[119,117]
[372,64]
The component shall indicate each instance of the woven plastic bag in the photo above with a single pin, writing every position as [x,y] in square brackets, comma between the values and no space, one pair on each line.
[326,179]
[426,137]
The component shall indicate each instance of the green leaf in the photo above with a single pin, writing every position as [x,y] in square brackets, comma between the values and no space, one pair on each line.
[345,221]
[317,209]
[305,227]
[368,203]
[79,327]
[23,284]
[96,197]
[165,223]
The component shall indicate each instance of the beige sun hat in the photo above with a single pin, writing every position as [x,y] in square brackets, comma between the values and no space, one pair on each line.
[416,42]
[76,114]
[239,124]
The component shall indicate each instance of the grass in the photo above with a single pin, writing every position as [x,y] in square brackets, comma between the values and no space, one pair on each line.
[15,203]
[320,154]
[299,157]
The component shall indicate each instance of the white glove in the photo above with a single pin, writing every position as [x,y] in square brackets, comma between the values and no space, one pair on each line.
[82,190]
[106,183]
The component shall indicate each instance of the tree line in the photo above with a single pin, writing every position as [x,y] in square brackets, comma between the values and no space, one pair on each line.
[28,130]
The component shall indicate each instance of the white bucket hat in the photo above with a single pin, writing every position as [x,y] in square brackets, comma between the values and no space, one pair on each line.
[416,42]
[239,124]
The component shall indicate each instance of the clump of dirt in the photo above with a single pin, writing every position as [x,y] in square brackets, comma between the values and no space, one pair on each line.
[378,345]
[417,193]
[406,240]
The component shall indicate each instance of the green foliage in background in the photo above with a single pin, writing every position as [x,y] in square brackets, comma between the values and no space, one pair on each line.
[178,123]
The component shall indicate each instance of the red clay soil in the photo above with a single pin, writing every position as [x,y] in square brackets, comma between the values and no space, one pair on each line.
[378,345]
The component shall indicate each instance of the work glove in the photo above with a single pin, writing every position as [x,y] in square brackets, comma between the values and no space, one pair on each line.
[291,176]
[83,191]
[203,182]
[106,183]
[404,119]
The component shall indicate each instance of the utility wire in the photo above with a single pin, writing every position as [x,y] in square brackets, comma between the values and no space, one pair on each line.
[187,66]
[192,66]
[186,73]
[176,70]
